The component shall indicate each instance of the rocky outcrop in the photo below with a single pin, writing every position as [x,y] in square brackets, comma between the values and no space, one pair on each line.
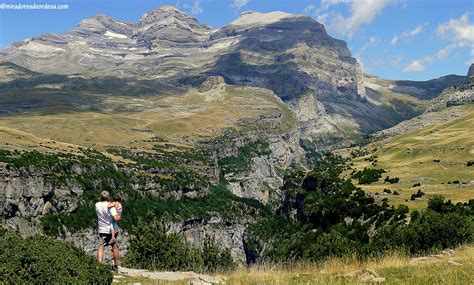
[453,96]
[212,82]
[29,193]
[228,234]
[470,74]
[423,121]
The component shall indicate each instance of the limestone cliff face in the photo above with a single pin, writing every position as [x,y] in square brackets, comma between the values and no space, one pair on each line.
[262,181]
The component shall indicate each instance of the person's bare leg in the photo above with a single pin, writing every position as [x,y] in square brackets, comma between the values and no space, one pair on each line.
[115,251]
[112,240]
[100,254]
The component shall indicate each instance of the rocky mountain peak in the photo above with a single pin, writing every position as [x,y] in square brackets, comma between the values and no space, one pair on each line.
[167,23]
[169,16]
[101,23]
[162,13]
[250,18]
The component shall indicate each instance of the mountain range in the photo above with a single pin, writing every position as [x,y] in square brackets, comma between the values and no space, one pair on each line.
[169,51]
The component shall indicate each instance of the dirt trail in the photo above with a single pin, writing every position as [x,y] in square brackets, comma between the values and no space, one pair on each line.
[151,276]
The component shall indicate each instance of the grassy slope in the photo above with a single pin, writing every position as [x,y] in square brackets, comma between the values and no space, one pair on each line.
[396,269]
[448,268]
[411,158]
[133,122]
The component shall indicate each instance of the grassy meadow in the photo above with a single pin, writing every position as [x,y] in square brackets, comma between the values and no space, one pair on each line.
[435,157]
[137,122]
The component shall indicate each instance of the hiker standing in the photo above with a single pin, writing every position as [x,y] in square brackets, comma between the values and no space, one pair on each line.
[105,216]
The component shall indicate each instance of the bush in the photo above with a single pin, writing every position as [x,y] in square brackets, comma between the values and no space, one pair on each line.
[416,184]
[318,247]
[151,247]
[214,258]
[439,205]
[427,231]
[43,260]
[392,180]
[418,194]
[368,175]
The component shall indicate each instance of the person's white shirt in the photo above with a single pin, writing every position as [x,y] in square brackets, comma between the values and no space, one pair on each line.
[104,216]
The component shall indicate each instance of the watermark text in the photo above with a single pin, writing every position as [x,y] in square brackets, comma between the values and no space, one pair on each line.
[33,6]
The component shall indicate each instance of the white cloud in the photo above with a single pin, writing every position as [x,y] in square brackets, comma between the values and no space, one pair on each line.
[362,12]
[458,32]
[238,4]
[373,41]
[311,9]
[419,65]
[196,7]
[396,62]
[363,67]
[394,40]
[444,52]
[408,34]
[327,3]
[415,65]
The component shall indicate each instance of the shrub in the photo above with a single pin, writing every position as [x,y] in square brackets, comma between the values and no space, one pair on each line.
[470,163]
[368,175]
[427,231]
[418,194]
[214,258]
[387,191]
[392,180]
[439,205]
[151,247]
[242,162]
[43,260]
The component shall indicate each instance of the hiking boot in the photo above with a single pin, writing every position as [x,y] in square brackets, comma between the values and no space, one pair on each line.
[115,268]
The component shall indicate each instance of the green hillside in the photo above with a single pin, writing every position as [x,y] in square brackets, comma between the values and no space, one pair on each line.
[436,157]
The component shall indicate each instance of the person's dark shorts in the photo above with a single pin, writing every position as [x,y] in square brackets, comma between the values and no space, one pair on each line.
[106,239]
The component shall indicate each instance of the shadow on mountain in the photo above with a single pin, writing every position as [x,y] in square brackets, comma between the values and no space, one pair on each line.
[43,94]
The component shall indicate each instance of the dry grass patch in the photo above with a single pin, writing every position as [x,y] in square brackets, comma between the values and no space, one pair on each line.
[448,268]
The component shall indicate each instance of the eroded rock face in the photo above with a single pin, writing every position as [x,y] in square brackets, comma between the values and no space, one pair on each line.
[31,195]
[228,234]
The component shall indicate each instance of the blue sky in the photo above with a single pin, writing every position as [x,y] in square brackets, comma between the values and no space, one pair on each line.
[394,39]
